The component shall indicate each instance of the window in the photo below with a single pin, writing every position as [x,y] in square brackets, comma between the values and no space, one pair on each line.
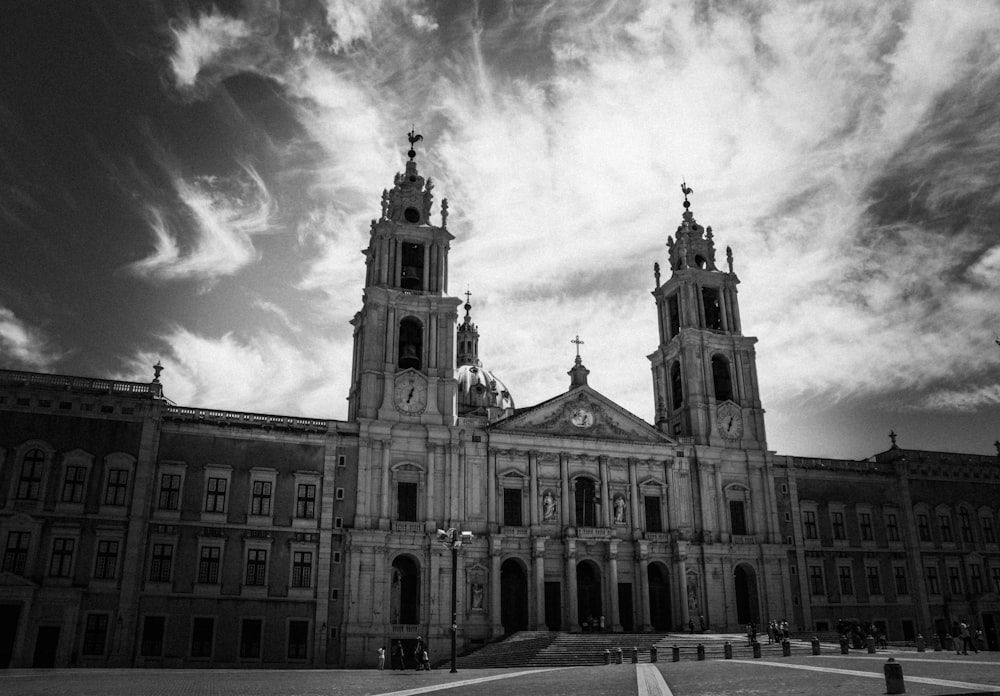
[61,564]
[809,524]
[924,527]
[932,581]
[512,507]
[161,563]
[995,573]
[260,501]
[713,308]
[406,501]
[738,517]
[955,580]
[30,483]
[874,585]
[839,531]
[965,525]
[721,379]
[256,566]
[298,640]
[250,638]
[654,521]
[305,501]
[302,569]
[411,269]
[95,634]
[107,559]
[73,484]
[215,498]
[846,583]
[899,572]
[892,527]
[865,523]
[944,524]
[336,556]
[340,494]
[987,525]
[674,315]
[202,636]
[117,487]
[676,390]
[15,555]
[170,492]
[976,579]
[816,585]
[152,636]
[341,460]
[586,503]
[208,565]
[410,344]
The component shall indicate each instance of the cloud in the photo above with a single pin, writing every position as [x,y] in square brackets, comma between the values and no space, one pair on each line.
[25,345]
[204,41]
[963,400]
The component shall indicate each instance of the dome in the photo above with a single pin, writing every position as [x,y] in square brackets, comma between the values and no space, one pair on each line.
[478,389]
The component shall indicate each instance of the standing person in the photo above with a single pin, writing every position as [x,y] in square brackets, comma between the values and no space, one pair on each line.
[691,626]
[381,658]
[425,659]
[397,656]
[418,654]
[966,639]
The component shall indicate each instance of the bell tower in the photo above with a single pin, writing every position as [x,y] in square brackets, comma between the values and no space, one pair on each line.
[705,369]
[404,335]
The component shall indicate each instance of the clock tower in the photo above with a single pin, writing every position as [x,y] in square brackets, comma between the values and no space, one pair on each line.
[404,335]
[704,370]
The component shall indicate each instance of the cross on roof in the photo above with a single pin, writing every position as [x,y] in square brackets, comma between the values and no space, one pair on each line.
[578,343]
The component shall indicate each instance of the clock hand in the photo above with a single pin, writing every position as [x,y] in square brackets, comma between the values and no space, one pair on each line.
[410,395]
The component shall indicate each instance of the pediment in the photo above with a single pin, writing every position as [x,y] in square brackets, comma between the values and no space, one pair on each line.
[582,413]
[12,580]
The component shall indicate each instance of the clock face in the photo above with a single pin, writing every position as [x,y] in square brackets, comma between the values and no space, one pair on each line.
[729,420]
[410,394]
[582,417]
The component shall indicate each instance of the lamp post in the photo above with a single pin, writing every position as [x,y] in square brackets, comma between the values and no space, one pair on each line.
[452,539]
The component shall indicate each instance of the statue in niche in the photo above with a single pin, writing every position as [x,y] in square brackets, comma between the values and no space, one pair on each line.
[619,510]
[692,593]
[548,507]
[477,595]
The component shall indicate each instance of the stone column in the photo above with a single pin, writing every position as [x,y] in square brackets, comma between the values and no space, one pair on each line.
[538,561]
[633,484]
[491,491]
[644,619]
[572,614]
[496,544]
[533,498]
[602,466]
[430,522]
[567,507]
[384,513]
[615,619]
[680,594]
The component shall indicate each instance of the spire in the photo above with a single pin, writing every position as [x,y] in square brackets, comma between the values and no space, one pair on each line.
[695,245]
[468,338]
[409,200]
[578,373]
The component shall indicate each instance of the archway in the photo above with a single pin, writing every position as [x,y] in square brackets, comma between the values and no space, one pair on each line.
[513,597]
[588,592]
[745,580]
[404,591]
[659,597]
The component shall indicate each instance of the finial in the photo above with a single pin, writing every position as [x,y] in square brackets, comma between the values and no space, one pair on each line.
[686,190]
[157,369]
[578,343]
[414,138]
[444,212]
[997,445]
[892,436]
[729,258]
[468,304]
[656,272]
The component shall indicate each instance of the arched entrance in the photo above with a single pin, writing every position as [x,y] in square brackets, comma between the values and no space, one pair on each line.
[588,592]
[745,580]
[404,591]
[513,597]
[659,597]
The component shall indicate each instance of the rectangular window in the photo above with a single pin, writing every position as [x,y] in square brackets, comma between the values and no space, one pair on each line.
[336,556]
[153,628]
[944,524]
[260,501]
[406,498]
[995,573]
[61,564]
[30,484]
[892,527]
[305,501]
[816,585]
[902,588]
[95,634]
[846,583]
[976,578]
[298,640]
[839,531]
[932,581]
[340,494]
[161,563]
[512,507]
[208,565]
[302,569]
[654,519]
[15,555]
[874,585]
[256,566]
[924,527]
[215,497]
[117,487]
[737,517]
[73,484]
[107,559]
[674,313]
[713,309]
[955,580]
[865,522]
[965,524]
[988,534]
[250,638]
[809,524]
[170,492]
[202,636]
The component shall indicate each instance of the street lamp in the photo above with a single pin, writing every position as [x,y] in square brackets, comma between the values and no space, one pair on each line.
[453,539]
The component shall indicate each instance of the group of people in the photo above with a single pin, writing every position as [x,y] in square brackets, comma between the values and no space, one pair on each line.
[421,659]
[777,631]
[592,625]
[964,637]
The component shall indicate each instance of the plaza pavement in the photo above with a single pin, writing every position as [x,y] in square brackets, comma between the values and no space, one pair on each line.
[858,674]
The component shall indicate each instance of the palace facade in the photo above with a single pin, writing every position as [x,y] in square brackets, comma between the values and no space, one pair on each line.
[138,532]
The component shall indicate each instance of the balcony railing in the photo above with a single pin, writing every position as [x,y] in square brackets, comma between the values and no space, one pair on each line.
[238,418]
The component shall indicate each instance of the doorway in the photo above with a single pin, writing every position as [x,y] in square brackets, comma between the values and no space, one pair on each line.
[625,611]
[9,616]
[553,606]
[513,597]
[588,593]
[746,595]
[46,646]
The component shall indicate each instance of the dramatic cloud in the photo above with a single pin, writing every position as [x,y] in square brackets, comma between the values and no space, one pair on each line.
[23,345]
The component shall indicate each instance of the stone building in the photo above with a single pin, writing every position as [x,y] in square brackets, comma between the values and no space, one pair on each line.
[138,532]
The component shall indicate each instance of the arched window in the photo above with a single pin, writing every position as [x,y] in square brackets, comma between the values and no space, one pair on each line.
[411,344]
[722,379]
[676,392]
[412,266]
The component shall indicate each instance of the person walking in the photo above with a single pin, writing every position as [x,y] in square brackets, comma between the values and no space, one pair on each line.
[381,658]
[418,654]
[966,635]
[398,662]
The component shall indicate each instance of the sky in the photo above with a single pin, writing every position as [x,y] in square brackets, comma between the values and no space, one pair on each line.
[193,183]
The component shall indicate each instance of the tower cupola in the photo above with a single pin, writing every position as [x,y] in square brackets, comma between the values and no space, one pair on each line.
[695,245]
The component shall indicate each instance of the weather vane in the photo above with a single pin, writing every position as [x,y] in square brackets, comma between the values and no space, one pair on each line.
[686,190]
[414,138]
